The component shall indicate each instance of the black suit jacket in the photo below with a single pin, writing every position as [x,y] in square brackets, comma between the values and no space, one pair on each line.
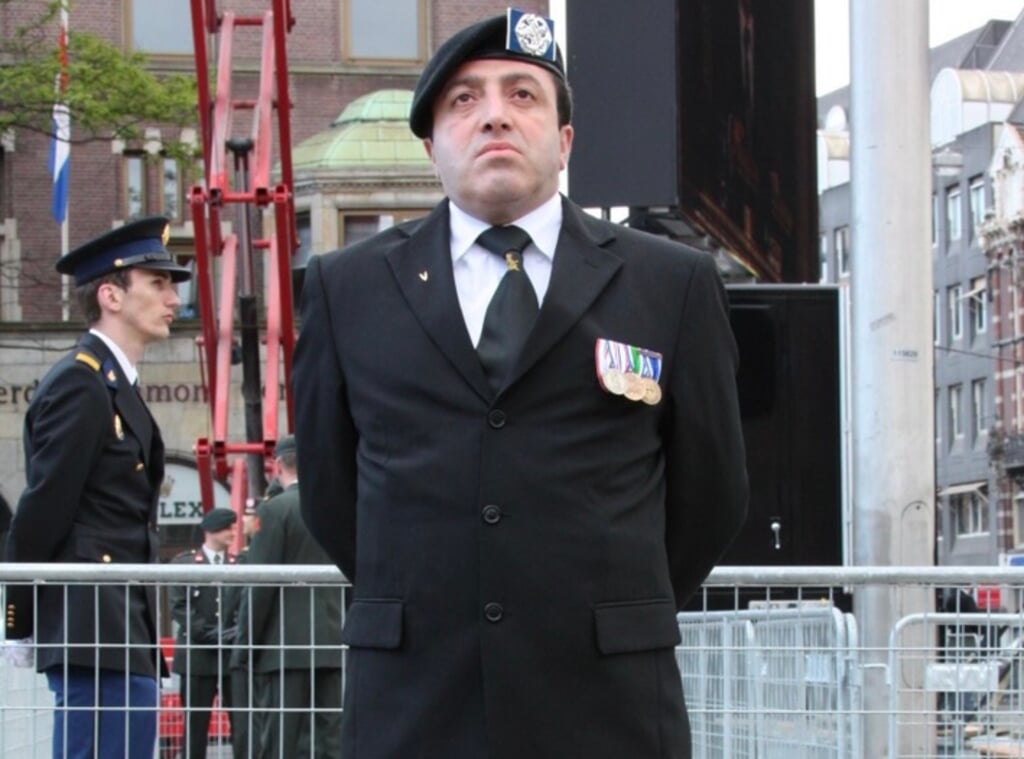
[518,558]
[94,462]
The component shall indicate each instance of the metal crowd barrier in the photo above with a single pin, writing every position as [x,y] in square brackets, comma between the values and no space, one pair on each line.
[774,662]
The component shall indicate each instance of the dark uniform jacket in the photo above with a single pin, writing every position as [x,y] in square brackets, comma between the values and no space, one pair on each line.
[94,462]
[517,558]
[202,613]
[297,627]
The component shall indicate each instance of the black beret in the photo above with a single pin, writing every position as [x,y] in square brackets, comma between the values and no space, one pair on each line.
[218,519]
[140,243]
[284,445]
[516,36]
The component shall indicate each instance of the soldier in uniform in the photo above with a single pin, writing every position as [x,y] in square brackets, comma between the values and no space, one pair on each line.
[244,716]
[294,634]
[519,438]
[94,462]
[202,647]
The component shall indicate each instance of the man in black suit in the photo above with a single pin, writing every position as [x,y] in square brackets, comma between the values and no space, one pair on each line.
[524,462]
[291,636]
[94,462]
[202,649]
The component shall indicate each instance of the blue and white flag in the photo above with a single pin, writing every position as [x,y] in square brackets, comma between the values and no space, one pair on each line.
[60,145]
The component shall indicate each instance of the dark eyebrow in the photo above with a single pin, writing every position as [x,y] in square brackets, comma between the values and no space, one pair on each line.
[475,82]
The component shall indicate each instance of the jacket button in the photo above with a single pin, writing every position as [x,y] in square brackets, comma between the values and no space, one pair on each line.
[492,514]
[107,558]
[496,419]
[493,612]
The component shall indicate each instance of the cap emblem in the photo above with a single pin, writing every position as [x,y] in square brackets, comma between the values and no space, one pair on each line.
[165,236]
[534,35]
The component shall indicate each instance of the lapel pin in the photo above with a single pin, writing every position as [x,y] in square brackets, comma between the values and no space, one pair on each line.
[424,276]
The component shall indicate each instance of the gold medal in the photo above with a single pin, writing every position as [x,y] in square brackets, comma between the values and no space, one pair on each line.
[118,429]
[652,392]
[634,387]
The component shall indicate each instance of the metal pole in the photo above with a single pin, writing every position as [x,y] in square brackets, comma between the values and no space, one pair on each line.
[892,361]
[248,322]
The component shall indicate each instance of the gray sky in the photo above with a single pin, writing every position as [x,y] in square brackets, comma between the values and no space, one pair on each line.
[946,19]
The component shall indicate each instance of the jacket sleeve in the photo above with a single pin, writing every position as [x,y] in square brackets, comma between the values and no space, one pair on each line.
[706,476]
[65,432]
[325,433]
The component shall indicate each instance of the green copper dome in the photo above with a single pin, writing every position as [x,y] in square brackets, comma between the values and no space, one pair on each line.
[372,132]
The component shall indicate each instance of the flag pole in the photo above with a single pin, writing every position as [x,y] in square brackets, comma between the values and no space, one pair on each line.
[60,153]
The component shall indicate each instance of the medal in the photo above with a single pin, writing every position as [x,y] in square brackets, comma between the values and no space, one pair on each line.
[635,390]
[652,392]
[118,429]
[628,371]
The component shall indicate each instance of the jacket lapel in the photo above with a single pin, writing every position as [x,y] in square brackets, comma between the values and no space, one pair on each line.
[127,403]
[422,267]
[581,270]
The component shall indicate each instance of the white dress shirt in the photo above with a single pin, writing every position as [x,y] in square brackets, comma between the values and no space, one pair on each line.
[478,271]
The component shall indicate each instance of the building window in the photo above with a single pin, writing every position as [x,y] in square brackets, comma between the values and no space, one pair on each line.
[935,218]
[977,304]
[955,297]
[384,30]
[970,510]
[936,316]
[160,27]
[1018,517]
[938,420]
[841,240]
[134,185]
[956,430]
[823,258]
[354,227]
[171,197]
[977,201]
[953,226]
[978,408]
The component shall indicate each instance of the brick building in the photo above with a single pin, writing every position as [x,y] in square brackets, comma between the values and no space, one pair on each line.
[339,51]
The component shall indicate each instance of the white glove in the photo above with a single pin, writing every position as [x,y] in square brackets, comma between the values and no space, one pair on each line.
[20,653]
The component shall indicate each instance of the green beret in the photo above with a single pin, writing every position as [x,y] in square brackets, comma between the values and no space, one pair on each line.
[515,36]
[218,519]
[284,445]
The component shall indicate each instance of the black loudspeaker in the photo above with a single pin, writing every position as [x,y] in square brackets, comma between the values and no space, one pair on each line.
[706,109]
[626,150]
[789,389]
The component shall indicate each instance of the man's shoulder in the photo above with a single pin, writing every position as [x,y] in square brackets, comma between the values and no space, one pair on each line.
[190,556]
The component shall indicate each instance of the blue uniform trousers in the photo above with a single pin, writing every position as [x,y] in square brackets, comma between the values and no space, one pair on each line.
[103,714]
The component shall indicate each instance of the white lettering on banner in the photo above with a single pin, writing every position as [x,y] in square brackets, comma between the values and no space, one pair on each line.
[180,498]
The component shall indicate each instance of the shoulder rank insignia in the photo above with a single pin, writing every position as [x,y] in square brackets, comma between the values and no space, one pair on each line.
[88,359]
[109,374]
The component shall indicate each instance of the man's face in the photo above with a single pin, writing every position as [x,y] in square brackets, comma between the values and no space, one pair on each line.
[221,540]
[148,305]
[496,145]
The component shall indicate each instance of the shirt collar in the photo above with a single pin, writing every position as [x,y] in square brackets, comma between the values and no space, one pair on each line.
[543,225]
[130,372]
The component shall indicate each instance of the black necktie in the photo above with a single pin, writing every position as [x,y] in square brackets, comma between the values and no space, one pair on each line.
[512,310]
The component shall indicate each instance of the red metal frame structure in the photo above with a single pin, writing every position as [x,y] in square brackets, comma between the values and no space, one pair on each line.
[219,457]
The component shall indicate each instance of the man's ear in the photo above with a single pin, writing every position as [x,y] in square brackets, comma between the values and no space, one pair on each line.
[109,296]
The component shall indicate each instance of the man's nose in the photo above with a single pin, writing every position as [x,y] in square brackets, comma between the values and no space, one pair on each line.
[495,111]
